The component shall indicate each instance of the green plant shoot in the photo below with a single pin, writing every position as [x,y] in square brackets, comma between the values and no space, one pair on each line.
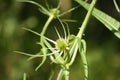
[111,23]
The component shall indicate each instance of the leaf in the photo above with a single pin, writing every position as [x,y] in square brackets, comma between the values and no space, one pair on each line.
[69,20]
[68,11]
[31,31]
[111,23]
[41,8]
[30,55]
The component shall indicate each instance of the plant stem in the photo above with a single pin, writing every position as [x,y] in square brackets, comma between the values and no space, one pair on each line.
[60,74]
[116,5]
[45,28]
[84,60]
[83,27]
[24,76]
[46,24]
[80,34]
[63,72]
[66,72]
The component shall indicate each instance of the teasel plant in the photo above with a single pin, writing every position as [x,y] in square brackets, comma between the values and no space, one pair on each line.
[65,49]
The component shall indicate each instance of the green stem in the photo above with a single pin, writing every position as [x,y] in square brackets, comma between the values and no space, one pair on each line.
[83,27]
[46,24]
[24,76]
[80,34]
[63,72]
[116,5]
[66,72]
[51,74]
[60,75]
[84,60]
[45,28]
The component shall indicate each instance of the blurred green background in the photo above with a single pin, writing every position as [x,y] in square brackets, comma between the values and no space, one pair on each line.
[103,48]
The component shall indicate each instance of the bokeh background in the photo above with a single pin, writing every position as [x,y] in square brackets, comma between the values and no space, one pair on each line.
[103,48]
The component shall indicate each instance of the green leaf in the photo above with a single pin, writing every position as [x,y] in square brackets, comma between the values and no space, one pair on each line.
[111,23]
[30,55]
[31,31]
[41,8]
[68,11]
